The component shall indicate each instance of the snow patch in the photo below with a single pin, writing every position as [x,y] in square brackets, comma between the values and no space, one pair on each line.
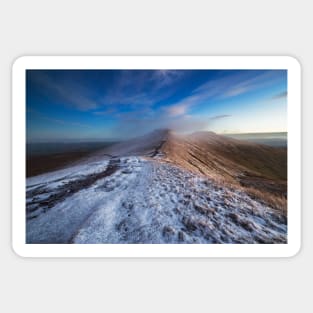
[145,200]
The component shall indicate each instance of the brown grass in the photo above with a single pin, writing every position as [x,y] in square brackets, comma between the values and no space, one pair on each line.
[275,201]
[259,170]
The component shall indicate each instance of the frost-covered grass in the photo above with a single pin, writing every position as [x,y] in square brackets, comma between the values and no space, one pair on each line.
[146,200]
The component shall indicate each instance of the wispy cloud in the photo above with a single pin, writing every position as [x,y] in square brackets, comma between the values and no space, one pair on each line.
[280,95]
[132,88]
[183,106]
[166,77]
[106,112]
[218,117]
[236,84]
[66,123]
[131,124]
[177,110]
[141,88]
[236,91]
[226,87]
[137,101]
[70,93]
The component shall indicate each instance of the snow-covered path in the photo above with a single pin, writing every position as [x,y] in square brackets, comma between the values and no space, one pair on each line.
[143,200]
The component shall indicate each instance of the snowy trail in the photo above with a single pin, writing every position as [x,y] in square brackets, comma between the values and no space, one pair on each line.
[145,200]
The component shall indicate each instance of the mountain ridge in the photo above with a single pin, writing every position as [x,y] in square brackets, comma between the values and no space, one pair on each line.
[178,189]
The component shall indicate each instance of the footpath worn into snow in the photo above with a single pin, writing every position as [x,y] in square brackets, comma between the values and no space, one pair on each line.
[143,200]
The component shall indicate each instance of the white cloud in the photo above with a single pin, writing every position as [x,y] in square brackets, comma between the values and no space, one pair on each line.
[177,110]
[221,88]
[166,77]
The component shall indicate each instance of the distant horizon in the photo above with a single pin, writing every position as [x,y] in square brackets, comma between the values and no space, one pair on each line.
[84,105]
[99,140]
[251,132]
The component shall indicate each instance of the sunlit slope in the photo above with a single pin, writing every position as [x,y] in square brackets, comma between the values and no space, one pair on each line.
[256,167]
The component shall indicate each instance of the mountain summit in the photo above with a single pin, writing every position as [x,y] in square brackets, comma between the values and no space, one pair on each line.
[146,145]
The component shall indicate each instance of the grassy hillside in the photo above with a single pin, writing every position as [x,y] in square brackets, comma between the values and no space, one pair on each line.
[258,169]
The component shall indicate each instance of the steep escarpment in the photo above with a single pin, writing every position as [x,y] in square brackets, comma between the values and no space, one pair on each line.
[259,169]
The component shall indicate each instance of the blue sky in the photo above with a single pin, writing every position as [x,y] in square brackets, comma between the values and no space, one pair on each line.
[103,104]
